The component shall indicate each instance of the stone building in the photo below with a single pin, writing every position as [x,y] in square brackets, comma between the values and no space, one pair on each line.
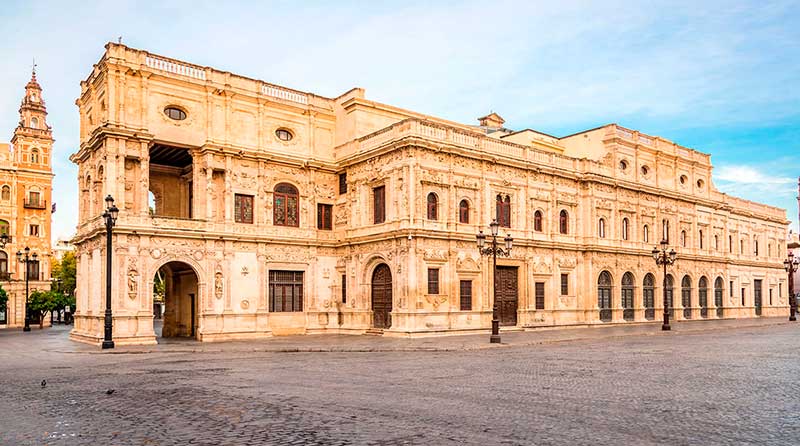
[271,211]
[26,181]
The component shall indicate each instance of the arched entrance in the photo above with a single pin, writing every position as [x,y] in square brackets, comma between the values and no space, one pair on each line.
[382,297]
[627,296]
[718,284]
[177,283]
[604,296]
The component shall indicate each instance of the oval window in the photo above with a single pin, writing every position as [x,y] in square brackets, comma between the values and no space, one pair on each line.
[645,170]
[683,179]
[284,135]
[175,113]
[623,165]
[700,184]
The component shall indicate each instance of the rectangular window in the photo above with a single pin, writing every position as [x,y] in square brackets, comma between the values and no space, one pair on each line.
[780,290]
[379,204]
[564,284]
[285,291]
[730,288]
[33,270]
[33,198]
[466,295]
[342,183]
[34,230]
[243,208]
[742,296]
[770,296]
[344,288]
[539,295]
[433,280]
[324,216]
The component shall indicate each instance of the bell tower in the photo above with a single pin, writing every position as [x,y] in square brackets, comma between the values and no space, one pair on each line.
[33,137]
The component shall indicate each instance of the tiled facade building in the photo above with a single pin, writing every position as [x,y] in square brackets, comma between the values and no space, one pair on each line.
[269,211]
[26,180]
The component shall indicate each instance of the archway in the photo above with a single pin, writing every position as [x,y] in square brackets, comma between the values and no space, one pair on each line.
[177,283]
[604,296]
[382,297]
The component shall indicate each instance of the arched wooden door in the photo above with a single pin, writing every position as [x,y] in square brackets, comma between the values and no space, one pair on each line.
[382,297]
[718,295]
[604,296]
[702,296]
[627,296]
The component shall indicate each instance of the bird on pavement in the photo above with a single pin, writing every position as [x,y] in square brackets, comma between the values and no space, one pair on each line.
[44,383]
[109,391]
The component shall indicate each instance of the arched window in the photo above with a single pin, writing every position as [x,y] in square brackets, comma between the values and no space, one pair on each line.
[433,204]
[686,296]
[563,222]
[285,201]
[34,156]
[463,211]
[741,246]
[702,296]
[34,123]
[665,230]
[504,211]
[537,221]
[716,242]
[683,238]
[601,228]
[624,229]
[755,246]
[700,241]
[627,296]
[604,296]
[4,227]
[6,193]
[718,285]
[3,266]
[648,295]
[646,234]
[730,243]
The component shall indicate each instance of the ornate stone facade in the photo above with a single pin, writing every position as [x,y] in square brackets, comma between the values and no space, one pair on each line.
[273,210]
[26,182]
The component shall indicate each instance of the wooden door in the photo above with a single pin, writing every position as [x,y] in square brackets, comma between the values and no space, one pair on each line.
[382,297]
[507,295]
[757,296]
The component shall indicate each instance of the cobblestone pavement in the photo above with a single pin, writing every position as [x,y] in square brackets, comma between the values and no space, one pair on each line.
[737,385]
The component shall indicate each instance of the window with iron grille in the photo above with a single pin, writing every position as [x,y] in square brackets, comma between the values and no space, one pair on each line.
[285,291]
[344,288]
[379,204]
[539,295]
[34,230]
[324,216]
[285,209]
[564,284]
[343,183]
[433,280]
[537,221]
[243,208]
[465,294]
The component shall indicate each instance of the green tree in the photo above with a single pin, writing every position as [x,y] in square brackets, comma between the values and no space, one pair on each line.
[64,274]
[3,299]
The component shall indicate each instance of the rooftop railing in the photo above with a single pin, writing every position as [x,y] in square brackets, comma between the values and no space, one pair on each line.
[175,67]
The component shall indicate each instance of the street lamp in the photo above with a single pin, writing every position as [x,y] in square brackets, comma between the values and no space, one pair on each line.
[494,251]
[27,258]
[790,265]
[662,257]
[4,239]
[110,217]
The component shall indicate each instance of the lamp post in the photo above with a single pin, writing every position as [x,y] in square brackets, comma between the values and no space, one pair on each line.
[494,251]
[27,258]
[4,239]
[662,257]
[790,265]
[110,217]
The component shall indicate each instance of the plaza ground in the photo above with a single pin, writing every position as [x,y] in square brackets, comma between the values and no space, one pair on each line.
[721,382]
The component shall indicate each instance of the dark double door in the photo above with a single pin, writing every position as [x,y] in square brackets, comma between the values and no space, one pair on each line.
[507,295]
[757,296]
[382,297]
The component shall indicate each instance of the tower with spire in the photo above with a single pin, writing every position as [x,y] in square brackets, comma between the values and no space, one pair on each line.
[26,181]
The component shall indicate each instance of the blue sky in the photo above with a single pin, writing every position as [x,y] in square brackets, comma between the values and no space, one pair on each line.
[719,77]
